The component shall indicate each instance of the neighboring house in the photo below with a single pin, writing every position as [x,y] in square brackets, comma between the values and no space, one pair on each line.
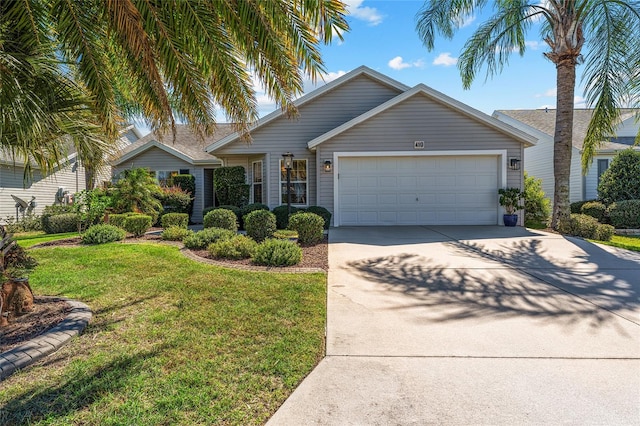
[47,189]
[165,158]
[376,152]
[539,158]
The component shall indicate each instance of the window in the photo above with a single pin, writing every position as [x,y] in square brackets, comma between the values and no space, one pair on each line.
[603,165]
[184,171]
[256,183]
[164,177]
[298,182]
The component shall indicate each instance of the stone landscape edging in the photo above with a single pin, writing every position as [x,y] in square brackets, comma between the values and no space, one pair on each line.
[48,342]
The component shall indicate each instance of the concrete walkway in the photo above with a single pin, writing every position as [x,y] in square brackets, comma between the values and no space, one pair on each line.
[474,325]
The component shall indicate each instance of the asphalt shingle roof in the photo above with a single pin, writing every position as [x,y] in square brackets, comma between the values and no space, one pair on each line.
[544,120]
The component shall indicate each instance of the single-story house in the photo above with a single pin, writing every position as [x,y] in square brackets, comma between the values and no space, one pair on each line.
[165,157]
[48,189]
[374,151]
[539,157]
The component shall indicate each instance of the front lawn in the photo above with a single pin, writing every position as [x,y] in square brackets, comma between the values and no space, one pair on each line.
[28,239]
[172,341]
[625,242]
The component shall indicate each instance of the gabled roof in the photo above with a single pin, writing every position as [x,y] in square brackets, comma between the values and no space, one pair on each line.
[362,70]
[544,121]
[186,146]
[441,98]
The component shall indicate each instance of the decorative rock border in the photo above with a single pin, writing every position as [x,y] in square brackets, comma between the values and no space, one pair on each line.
[48,342]
[632,232]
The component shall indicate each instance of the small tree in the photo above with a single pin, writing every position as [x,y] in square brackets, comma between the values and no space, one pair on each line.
[137,191]
[537,207]
[621,181]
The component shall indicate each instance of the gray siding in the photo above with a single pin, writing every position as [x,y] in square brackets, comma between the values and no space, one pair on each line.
[417,118]
[156,159]
[44,189]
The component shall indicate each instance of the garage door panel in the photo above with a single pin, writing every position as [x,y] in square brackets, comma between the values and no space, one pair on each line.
[418,190]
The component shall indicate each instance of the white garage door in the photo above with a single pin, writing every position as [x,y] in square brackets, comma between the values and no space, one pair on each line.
[418,190]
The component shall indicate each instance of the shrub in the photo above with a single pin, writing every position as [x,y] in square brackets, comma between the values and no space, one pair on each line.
[92,205]
[175,233]
[104,233]
[621,181]
[230,186]
[576,208]
[282,215]
[175,200]
[236,210]
[323,213]
[625,214]
[277,253]
[585,226]
[237,247]
[285,234]
[30,222]
[221,218]
[251,208]
[66,222]
[308,226]
[137,224]
[537,207]
[594,209]
[17,262]
[201,240]
[50,211]
[260,224]
[188,184]
[119,218]
[175,219]
[137,191]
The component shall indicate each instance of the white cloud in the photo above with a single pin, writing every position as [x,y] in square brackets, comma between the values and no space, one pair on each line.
[551,93]
[398,63]
[534,45]
[465,21]
[445,59]
[579,102]
[364,13]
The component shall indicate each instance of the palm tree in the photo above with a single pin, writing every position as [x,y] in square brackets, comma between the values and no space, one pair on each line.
[169,60]
[609,31]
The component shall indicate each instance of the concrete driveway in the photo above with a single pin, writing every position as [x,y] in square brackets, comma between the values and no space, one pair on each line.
[474,325]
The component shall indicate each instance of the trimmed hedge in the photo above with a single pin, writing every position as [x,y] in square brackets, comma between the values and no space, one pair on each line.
[66,222]
[201,239]
[323,213]
[582,225]
[221,218]
[103,233]
[175,233]
[251,208]
[594,209]
[621,181]
[625,214]
[50,211]
[282,215]
[238,247]
[276,252]
[175,219]
[175,200]
[138,224]
[308,226]
[230,186]
[119,218]
[576,208]
[260,224]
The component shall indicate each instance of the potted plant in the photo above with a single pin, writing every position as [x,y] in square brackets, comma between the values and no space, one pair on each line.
[510,199]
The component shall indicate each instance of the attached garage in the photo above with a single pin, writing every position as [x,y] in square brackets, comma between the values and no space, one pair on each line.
[418,190]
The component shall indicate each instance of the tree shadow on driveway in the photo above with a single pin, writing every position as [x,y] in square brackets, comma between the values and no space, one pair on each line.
[521,279]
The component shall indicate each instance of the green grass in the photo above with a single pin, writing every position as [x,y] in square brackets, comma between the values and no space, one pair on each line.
[625,242]
[172,341]
[29,239]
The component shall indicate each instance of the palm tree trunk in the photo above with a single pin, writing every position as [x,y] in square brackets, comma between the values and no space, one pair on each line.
[566,81]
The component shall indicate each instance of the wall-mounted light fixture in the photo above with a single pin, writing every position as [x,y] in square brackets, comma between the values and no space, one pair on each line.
[327,166]
[514,163]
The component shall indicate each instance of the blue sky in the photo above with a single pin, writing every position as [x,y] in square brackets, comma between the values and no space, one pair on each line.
[383,37]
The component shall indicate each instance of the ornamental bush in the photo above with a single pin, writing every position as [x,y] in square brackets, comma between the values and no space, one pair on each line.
[594,209]
[119,218]
[103,233]
[221,218]
[537,207]
[200,240]
[260,224]
[251,208]
[282,215]
[323,213]
[175,219]
[50,211]
[175,199]
[175,233]
[621,181]
[237,247]
[66,222]
[275,252]
[230,186]
[625,214]
[308,226]
[585,226]
[576,207]
[138,224]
